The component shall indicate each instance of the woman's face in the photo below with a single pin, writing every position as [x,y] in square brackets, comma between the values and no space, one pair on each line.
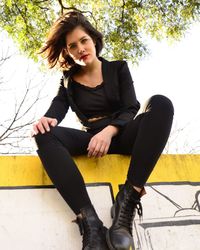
[81,47]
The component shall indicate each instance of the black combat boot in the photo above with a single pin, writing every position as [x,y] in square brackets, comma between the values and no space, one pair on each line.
[92,230]
[119,236]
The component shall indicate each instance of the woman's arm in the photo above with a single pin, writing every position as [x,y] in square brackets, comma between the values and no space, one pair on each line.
[59,105]
[129,105]
[55,114]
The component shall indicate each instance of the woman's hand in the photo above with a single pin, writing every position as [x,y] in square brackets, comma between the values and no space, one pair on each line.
[43,125]
[100,143]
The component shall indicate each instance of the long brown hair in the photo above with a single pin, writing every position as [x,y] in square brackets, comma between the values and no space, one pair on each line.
[55,47]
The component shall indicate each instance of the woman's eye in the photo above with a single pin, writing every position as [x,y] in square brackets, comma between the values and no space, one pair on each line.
[73,46]
[84,40]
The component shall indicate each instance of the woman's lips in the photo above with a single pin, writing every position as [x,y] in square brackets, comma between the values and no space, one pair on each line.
[84,57]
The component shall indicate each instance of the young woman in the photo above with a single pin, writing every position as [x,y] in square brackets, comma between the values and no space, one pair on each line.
[103,97]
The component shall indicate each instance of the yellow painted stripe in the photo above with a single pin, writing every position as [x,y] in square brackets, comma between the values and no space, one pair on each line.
[28,170]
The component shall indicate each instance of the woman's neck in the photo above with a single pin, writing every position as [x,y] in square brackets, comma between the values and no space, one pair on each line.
[91,68]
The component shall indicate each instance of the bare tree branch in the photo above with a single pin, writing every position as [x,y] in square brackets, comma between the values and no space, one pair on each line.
[13,131]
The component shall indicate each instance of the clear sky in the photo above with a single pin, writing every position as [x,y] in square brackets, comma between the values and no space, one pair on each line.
[171,70]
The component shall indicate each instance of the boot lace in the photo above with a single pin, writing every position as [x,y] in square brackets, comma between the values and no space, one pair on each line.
[128,210]
[85,231]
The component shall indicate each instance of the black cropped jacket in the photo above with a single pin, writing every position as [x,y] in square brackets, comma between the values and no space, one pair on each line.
[119,91]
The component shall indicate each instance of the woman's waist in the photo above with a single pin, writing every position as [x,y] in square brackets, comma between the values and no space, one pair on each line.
[97,118]
[96,123]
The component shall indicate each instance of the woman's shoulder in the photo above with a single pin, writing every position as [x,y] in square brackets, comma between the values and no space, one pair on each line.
[71,71]
[114,63]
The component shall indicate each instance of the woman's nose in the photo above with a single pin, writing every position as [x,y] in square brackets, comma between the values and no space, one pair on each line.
[81,49]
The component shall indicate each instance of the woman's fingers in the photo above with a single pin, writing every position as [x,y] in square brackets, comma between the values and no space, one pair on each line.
[43,125]
[99,144]
[97,149]
[53,122]
[40,127]
[101,151]
[34,130]
[91,147]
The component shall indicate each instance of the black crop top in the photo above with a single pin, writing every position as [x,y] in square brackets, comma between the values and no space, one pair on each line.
[91,101]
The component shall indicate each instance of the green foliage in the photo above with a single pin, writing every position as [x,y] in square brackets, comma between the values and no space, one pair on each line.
[27,22]
[123,23]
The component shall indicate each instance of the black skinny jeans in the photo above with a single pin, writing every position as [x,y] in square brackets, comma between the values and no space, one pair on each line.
[143,138]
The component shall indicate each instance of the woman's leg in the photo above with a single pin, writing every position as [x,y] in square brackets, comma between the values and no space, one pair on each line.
[144,138]
[55,149]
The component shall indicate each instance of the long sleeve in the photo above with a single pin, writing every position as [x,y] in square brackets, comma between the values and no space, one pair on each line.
[128,102]
[59,105]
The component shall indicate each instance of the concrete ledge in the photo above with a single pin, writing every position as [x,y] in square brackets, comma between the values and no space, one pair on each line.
[34,216]
[28,170]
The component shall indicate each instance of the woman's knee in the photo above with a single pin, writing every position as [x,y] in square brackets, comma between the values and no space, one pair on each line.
[41,139]
[44,139]
[161,102]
